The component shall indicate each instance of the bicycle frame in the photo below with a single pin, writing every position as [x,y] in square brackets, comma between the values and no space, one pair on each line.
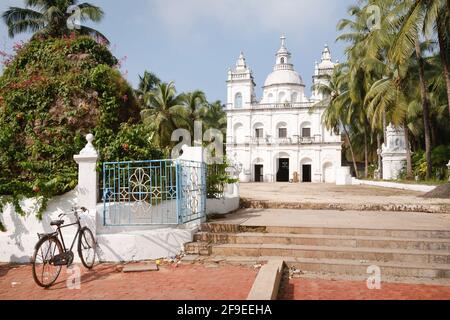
[78,223]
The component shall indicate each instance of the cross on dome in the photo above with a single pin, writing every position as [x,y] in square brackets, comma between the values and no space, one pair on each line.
[283,56]
[283,41]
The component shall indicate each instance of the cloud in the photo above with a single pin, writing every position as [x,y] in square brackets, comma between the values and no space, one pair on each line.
[181,17]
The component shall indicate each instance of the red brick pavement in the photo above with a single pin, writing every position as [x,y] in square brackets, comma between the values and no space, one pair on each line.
[316,289]
[186,282]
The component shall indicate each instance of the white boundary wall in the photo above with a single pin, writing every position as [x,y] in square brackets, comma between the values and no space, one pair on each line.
[115,244]
[395,185]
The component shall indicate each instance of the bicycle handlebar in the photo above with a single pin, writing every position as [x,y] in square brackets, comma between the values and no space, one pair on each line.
[75,211]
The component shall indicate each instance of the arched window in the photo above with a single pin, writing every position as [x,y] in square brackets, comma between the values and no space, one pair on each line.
[282,60]
[281,97]
[270,97]
[238,101]
[258,130]
[305,130]
[282,130]
[294,97]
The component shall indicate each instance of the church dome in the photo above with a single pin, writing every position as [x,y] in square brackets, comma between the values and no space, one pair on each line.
[283,72]
[279,77]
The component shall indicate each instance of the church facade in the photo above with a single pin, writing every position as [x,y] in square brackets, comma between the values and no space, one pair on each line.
[280,138]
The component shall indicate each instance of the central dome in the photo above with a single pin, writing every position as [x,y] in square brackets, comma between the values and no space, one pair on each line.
[281,77]
[283,71]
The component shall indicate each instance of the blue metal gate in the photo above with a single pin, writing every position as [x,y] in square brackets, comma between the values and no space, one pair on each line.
[157,192]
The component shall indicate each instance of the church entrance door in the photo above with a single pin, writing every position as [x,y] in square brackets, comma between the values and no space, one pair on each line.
[306,173]
[283,170]
[259,173]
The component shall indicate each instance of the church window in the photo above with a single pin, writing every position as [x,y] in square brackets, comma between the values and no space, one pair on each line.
[259,133]
[306,132]
[282,60]
[282,133]
[238,101]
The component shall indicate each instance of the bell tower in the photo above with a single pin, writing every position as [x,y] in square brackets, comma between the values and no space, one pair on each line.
[322,72]
[240,85]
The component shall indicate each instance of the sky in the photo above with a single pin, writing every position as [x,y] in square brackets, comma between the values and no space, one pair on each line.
[195,42]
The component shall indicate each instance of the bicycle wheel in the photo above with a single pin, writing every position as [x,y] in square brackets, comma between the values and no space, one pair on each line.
[45,272]
[87,247]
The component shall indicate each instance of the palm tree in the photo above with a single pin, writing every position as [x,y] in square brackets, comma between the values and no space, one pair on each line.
[194,102]
[388,98]
[422,16]
[49,18]
[214,117]
[165,112]
[147,83]
[338,113]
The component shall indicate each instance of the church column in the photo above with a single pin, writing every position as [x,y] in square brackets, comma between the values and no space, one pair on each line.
[317,165]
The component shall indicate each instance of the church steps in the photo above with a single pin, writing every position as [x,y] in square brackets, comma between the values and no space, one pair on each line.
[305,230]
[337,251]
[321,252]
[360,268]
[353,269]
[324,240]
[389,207]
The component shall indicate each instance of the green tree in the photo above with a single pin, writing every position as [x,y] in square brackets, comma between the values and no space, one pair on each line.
[147,83]
[214,117]
[338,113]
[165,112]
[194,102]
[50,18]
[419,19]
[52,93]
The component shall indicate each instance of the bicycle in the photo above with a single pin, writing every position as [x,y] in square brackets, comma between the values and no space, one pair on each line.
[50,255]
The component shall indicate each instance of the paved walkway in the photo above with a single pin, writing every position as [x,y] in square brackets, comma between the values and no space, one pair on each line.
[185,282]
[316,289]
[339,219]
[332,194]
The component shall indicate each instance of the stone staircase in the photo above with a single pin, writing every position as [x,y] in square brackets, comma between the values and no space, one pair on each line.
[422,254]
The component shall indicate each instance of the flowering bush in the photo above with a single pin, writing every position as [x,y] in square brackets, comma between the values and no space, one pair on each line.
[52,93]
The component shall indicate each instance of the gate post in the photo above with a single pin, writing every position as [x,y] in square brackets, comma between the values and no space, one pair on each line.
[87,190]
[196,155]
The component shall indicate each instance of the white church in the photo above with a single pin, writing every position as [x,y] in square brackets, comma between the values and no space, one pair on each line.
[280,138]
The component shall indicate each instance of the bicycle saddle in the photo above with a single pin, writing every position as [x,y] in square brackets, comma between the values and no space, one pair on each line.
[57,223]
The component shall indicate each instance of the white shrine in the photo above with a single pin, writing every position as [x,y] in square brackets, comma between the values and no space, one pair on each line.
[281,137]
[394,153]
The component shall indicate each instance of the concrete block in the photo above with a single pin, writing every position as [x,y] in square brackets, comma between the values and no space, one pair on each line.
[267,283]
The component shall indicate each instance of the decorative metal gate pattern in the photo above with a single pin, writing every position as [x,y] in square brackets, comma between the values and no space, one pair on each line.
[159,192]
[192,183]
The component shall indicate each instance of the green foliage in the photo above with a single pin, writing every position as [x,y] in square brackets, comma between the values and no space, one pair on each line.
[216,180]
[439,157]
[52,94]
[49,18]
[133,143]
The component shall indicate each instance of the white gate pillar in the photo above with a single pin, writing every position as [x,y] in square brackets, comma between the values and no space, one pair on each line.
[87,190]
